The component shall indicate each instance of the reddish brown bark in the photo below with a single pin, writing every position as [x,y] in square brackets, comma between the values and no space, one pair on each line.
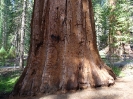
[63,52]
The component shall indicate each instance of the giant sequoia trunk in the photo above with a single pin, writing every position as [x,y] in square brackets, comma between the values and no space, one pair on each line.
[63,53]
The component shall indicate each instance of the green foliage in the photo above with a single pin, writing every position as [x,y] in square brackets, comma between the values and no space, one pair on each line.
[117,71]
[122,13]
[10,26]
[11,53]
[3,53]
[121,20]
[103,38]
[7,82]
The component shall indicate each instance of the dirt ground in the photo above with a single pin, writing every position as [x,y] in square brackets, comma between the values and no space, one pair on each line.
[123,89]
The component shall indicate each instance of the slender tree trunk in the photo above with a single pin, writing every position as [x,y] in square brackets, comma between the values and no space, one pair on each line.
[0,22]
[4,35]
[63,52]
[4,23]
[22,35]
[112,4]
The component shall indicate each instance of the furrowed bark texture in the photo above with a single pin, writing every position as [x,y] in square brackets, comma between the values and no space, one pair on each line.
[63,53]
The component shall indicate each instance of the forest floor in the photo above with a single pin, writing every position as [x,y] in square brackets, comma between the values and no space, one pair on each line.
[123,89]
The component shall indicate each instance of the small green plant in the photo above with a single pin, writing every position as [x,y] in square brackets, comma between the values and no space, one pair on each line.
[3,54]
[117,71]
[11,53]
